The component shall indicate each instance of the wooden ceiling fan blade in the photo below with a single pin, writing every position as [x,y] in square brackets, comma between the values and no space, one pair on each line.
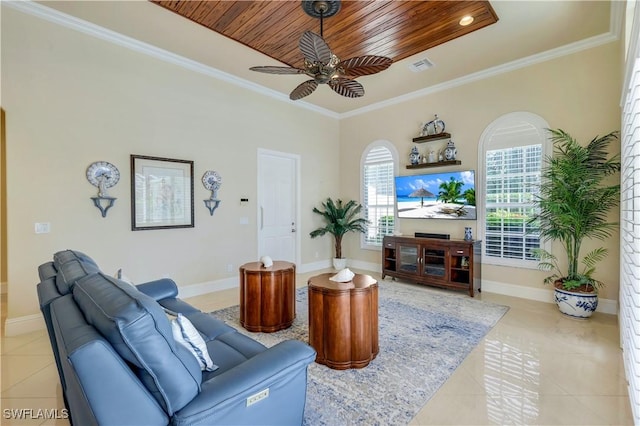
[314,48]
[365,65]
[304,89]
[277,70]
[347,87]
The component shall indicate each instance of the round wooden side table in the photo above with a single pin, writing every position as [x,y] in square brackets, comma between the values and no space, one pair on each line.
[343,321]
[267,296]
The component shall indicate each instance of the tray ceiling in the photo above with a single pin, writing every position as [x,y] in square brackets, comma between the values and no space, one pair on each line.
[395,29]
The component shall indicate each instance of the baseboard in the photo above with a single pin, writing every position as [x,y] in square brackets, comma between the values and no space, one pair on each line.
[315,266]
[193,290]
[23,325]
[35,322]
[365,266]
[30,323]
[606,306]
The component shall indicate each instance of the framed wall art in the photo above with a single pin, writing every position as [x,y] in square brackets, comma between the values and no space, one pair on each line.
[161,193]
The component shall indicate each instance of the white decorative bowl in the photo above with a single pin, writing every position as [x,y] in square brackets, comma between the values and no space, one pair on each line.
[344,276]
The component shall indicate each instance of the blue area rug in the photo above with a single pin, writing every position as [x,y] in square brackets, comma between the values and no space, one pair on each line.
[424,334]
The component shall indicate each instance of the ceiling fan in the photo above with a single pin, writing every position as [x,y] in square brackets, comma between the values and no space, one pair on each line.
[323,66]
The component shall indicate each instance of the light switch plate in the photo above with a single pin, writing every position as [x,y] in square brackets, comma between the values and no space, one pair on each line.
[42,227]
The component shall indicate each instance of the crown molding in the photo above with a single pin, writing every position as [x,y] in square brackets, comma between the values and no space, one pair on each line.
[46,13]
[615,28]
[71,22]
[558,52]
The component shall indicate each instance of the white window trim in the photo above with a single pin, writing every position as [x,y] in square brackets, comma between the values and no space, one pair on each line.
[394,154]
[503,121]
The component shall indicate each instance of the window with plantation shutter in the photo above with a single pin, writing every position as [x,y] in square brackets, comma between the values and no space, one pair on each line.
[629,295]
[379,163]
[512,153]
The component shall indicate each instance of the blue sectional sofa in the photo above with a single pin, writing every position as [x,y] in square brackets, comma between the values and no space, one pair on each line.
[119,363]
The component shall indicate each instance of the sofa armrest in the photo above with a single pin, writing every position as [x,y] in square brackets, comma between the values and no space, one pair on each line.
[164,288]
[282,369]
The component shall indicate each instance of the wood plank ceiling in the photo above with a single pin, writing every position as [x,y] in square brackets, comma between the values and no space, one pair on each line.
[395,29]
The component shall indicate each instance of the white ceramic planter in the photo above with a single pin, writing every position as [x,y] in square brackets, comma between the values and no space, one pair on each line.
[339,264]
[576,305]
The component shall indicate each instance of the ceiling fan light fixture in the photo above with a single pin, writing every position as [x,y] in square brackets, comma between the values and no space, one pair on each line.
[323,66]
[321,8]
[466,20]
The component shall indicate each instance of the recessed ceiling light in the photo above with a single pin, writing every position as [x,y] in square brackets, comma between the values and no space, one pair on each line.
[466,20]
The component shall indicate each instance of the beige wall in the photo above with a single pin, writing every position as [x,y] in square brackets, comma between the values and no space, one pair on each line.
[72,99]
[579,93]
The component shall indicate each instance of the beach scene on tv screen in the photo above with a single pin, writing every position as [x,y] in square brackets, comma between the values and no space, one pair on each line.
[449,195]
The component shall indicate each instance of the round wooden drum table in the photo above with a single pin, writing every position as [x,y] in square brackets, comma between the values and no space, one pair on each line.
[343,321]
[267,296]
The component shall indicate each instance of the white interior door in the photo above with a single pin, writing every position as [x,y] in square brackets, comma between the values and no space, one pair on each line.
[278,205]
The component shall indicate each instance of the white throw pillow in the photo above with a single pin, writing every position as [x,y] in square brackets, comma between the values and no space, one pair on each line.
[188,336]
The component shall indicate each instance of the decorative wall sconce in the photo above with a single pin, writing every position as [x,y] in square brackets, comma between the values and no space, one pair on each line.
[212,181]
[103,175]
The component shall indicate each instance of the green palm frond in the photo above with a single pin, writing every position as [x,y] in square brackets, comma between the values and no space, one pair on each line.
[574,200]
[340,218]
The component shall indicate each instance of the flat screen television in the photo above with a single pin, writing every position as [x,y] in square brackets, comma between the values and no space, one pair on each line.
[448,195]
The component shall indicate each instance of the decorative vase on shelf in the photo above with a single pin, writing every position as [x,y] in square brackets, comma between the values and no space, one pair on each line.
[468,235]
[414,157]
[450,151]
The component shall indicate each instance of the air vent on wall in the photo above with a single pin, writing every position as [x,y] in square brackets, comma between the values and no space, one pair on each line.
[421,65]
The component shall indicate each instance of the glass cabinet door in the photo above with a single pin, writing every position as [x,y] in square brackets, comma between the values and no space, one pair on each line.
[408,258]
[434,263]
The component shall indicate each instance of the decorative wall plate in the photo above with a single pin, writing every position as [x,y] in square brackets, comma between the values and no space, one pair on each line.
[211,180]
[103,174]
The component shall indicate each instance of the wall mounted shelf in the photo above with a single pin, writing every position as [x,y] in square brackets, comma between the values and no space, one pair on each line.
[437,164]
[431,138]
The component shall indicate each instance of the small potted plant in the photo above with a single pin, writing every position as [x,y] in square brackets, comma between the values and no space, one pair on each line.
[573,202]
[340,218]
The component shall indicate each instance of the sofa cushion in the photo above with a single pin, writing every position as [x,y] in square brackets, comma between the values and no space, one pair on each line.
[139,330]
[64,256]
[77,266]
[70,272]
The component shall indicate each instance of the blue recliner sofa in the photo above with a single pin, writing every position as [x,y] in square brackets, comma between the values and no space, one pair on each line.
[120,365]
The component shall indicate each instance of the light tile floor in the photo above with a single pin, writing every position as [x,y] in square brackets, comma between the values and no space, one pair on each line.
[534,367]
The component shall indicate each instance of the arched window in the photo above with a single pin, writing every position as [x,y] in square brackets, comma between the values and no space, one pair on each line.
[512,149]
[379,165]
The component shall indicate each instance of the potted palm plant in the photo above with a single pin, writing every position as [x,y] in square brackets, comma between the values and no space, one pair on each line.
[573,203]
[340,218]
